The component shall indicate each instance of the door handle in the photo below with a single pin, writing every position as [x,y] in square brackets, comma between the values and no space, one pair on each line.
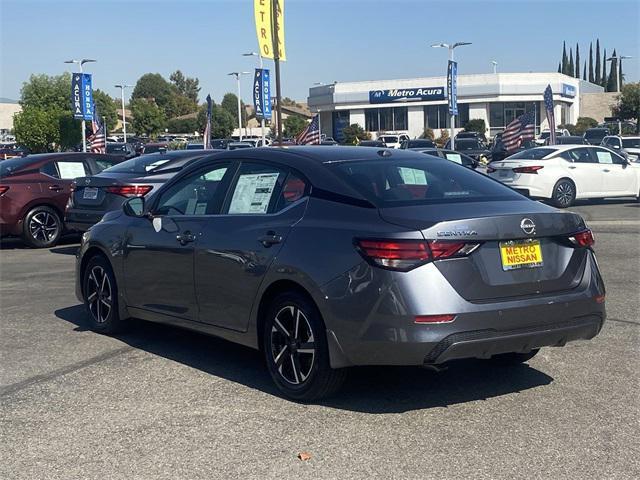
[572,167]
[55,188]
[606,170]
[271,238]
[186,237]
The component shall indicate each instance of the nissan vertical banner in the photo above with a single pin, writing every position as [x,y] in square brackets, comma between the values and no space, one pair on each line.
[81,96]
[452,87]
[262,94]
[264,27]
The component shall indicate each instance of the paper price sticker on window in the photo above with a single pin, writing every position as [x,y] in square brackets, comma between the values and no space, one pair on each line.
[253,193]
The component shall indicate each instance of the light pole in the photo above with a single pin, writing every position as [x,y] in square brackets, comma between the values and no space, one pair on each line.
[255,54]
[238,75]
[495,66]
[124,121]
[319,120]
[80,64]
[618,66]
[451,48]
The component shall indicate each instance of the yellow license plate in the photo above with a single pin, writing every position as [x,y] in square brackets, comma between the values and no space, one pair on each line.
[520,254]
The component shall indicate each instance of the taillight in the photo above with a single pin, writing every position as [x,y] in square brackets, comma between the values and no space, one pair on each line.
[447,318]
[404,255]
[3,189]
[130,190]
[584,238]
[532,169]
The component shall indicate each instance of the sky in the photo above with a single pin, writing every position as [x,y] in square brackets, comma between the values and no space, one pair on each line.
[326,40]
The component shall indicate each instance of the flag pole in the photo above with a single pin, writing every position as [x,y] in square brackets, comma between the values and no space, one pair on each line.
[276,61]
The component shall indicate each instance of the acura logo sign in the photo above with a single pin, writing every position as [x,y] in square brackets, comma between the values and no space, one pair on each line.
[528,226]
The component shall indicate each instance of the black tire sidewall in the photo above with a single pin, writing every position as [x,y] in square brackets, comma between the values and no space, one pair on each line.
[26,233]
[112,324]
[555,190]
[321,361]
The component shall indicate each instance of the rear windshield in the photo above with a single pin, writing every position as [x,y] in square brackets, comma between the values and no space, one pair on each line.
[596,133]
[420,181]
[141,165]
[14,164]
[389,139]
[467,144]
[420,143]
[533,153]
[631,142]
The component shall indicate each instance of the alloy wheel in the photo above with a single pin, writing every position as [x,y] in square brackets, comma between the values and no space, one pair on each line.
[99,294]
[43,226]
[293,346]
[564,193]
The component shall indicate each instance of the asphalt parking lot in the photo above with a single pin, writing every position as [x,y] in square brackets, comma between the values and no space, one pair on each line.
[162,403]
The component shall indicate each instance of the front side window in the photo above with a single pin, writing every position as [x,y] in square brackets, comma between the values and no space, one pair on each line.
[607,157]
[201,193]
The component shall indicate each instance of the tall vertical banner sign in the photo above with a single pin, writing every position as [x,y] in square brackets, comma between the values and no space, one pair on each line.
[87,97]
[82,96]
[452,87]
[262,94]
[264,27]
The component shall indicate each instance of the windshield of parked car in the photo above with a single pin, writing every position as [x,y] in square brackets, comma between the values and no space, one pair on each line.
[467,144]
[631,142]
[419,181]
[389,139]
[420,143]
[533,154]
[142,164]
[116,148]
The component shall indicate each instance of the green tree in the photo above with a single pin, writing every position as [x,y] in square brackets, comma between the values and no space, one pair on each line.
[186,86]
[222,123]
[37,129]
[583,124]
[475,125]
[180,105]
[584,71]
[147,117]
[559,68]
[230,104]
[570,68]
[183,125]
[565,60]
[612,82]
[598,75]
[577,61]
[293,125]
[47,92]
[354,133]
[591,78]
[153,86]
[106,107]
[603,79]
[628,106]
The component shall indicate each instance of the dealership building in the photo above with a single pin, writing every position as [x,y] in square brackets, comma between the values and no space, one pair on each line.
[411,105]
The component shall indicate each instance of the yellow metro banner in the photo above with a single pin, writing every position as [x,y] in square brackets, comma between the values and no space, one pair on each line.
[262,10]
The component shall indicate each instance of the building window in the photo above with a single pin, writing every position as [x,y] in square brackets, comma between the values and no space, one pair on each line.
[502,114]
[437,116]
[386,119]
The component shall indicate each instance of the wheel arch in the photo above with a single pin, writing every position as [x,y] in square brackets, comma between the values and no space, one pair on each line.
[90,253]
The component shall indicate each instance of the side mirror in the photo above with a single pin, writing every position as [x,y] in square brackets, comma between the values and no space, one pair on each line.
[134,207]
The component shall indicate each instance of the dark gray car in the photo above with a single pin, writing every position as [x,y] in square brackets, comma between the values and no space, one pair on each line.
[328,258]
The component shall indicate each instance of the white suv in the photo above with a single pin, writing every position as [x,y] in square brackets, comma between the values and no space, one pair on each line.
[392,140]
[628,146]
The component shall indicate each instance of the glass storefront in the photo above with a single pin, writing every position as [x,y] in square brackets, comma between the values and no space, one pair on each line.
[502,114]
[386,119]
[437,116]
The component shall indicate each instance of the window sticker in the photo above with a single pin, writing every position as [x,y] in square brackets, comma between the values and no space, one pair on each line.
[71,169]
[253,193]
[604,157]
[412,176]
[454,157]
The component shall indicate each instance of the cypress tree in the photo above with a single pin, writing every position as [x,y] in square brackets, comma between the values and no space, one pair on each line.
[612,83]
[584,71]
[565,62]
[591,79]
[577,61]
[570,69]
[620,76]
[603,79]
[598,76]
[559,68]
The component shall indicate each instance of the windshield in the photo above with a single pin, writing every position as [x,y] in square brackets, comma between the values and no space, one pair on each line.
[389,139]
[116,147]
[596,133]
[142,164]
[631,142]
[419,181]
[14,164]
[533,154]
[467,144]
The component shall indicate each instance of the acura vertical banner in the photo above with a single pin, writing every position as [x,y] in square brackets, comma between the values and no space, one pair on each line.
[262,94]
[76,95]
[452,87]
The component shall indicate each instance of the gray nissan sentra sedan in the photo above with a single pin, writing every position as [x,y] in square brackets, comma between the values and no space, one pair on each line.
[327,258]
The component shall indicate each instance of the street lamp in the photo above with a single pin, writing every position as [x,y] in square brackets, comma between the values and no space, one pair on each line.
[451,48]
[238,75]
[124,121]
[495,66]
[618,66]
[80,63]
[319,121]
[255,54]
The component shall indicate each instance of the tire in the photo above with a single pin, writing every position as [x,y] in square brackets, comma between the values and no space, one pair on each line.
[42,227]
[510,359]
[100,293]
[298,363]
[564,193]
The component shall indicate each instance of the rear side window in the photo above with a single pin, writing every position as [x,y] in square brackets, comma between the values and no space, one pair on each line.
[70,170]
[50,169]
[533,154]
[578,155]
[256,189]
[607,157]
[419,181]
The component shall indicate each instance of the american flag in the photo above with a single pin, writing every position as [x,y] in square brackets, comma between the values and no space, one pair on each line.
[548,106]
[207,128]
[98,137]
[519,131]
[311,134]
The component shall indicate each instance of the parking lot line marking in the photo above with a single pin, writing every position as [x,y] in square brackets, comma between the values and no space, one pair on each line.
[45,377]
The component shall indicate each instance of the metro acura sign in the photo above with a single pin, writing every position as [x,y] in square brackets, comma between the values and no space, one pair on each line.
[406,95]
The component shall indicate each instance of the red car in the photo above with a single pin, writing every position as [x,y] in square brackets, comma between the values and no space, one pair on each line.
[34,191]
